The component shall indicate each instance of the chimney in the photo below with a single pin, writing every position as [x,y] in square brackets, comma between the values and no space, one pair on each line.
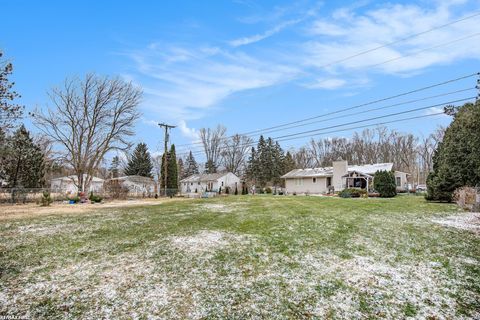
[340,168]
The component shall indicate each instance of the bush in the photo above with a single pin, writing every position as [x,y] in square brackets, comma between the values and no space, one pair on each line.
[46,199]
[465,197]
[75,199]
[352,193]
[236,191]
[227,190]
[95,198]
[384,184]
[268,190]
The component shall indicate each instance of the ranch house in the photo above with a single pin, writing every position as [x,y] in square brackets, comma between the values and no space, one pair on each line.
[338,177]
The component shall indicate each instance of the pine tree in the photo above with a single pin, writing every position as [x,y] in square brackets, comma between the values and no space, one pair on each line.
[191,166]
[172,178]
[24,163]
[456,162]
[210,167]
[288,163]
[172,173]
[252,166]
[278,163]
[140,164]
[114,167]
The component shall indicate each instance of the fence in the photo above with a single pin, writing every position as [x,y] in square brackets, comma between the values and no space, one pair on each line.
[25,195]
[32,195]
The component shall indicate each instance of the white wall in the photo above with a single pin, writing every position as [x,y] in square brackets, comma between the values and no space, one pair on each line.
[69,187]
[340,168]
[403,180]
[229,180]
[306,185]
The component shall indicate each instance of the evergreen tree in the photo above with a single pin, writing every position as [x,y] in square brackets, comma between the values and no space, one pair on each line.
[456,162]
[384,183]
[3,153]
[140,164]
[252,166]
[24,164]
[114,167]
[288,163]
[210,167]
[172,173]
[191,166]
[278,163]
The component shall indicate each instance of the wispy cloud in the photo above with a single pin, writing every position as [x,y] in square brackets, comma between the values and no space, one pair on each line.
[347,33]
[261,36]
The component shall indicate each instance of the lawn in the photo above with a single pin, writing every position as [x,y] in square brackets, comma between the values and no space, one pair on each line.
[244,257]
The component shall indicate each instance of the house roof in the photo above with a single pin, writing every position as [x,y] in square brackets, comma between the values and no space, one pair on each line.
[135,178]
[204,177]
[74,178]
[368,169]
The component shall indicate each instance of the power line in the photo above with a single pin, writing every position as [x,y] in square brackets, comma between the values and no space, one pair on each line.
[350,108]
[311,132]
[400,40]
[365,111]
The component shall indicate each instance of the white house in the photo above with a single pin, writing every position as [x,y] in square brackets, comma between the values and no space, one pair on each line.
[338,177]
[198,183]
[137,185]
[69,184]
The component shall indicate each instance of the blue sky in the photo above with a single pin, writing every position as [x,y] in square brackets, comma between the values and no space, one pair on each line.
[245,64]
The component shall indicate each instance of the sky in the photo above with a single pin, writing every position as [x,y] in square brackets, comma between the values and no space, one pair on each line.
[249,64]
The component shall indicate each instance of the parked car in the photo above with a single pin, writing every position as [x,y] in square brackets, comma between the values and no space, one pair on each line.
[422,187]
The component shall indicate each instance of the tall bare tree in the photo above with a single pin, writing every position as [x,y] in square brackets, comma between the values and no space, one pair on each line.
[212,140]
[235,152]
[89,118]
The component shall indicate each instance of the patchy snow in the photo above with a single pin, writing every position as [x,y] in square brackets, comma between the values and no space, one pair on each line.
[470,222]
[205,241]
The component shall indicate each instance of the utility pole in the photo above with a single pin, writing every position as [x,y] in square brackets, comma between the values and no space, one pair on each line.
[165,166]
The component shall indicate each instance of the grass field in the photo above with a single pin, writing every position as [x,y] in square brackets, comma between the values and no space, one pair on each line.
[244,257]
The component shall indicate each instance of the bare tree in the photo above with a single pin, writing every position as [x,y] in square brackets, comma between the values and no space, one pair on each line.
[234,153]
[89,118]
[212,140]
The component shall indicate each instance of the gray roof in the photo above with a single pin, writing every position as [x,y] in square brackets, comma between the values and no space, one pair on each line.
[135,178]
[369,169]
[204,177]
[74,178]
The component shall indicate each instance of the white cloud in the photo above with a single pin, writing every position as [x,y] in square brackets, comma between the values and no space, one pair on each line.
[434,110]
[347,34]
[190,133]
[261,36]
[188,88]
[329,84]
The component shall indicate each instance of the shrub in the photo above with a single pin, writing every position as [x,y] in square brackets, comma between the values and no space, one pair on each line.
[46,199]
[220,190]
[227,190]
[465,197]
[352,193]
[95,198]
[384,184]
[268,190]
[75,199]
[236,191]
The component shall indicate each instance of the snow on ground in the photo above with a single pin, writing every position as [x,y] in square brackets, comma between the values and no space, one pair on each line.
[470,222]
[205,241]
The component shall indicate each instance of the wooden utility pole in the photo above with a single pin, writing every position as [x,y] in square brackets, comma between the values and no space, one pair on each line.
[165,164]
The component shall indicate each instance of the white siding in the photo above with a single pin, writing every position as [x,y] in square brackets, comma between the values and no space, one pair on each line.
[306,185]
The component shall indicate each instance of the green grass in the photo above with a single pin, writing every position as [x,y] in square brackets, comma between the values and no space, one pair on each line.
[243,257]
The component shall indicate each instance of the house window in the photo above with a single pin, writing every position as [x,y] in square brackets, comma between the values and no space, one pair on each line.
[298,182]
[191,183]
[222,183]
[314,180]
[199,183]
[398,181]
[329,181]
